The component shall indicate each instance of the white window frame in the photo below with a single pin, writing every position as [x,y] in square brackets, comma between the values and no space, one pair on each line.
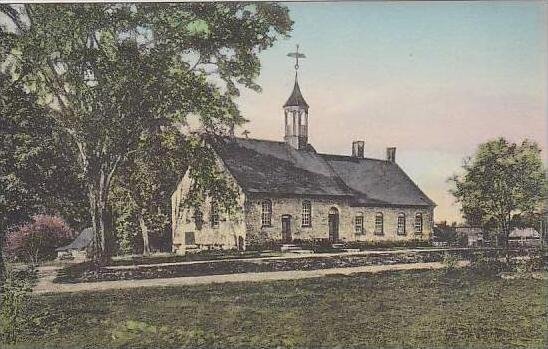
[401,224]
[419,222]
[379,227]
[358,224]
[306,220]
[214,215]
[266,213]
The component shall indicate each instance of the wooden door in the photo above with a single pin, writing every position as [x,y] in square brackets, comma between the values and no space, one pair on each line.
[286,229]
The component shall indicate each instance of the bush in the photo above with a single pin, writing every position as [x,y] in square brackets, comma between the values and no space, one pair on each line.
[14,294]
[37,240]
[488,262]
[450,262]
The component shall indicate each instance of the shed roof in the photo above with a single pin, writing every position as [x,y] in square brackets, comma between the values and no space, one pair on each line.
[83,240]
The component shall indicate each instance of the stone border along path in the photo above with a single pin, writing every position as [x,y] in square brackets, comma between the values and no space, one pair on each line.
[46,285]
[288,256]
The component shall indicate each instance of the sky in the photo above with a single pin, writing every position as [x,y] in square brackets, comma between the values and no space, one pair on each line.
[432,79]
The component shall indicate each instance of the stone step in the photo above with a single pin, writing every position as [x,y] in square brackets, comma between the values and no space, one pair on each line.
[301,251]
[337,246]
[289,247]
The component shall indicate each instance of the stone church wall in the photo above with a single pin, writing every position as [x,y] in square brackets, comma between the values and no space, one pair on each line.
[319,229]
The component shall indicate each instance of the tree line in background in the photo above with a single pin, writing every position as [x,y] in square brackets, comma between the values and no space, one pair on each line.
[94,95]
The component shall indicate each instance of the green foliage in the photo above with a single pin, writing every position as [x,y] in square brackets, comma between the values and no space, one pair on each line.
[143,186]
[111,73]
[208,178]
[33,157]
[14,294]
[450,261]
[500,181]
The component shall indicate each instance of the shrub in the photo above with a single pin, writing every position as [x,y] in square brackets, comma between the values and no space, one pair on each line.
[14,294]
[488,262]
[450,262]
[37,240]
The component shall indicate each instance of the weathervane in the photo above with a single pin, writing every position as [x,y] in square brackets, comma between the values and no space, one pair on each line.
[296,55]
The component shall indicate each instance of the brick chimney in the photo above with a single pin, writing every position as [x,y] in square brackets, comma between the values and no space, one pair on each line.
[357,149]
[391,154]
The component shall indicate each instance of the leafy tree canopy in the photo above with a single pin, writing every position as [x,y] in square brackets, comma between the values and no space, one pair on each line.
[501,181]
[111,72]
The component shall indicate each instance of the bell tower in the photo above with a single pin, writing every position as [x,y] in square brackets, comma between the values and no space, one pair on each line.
[296,112]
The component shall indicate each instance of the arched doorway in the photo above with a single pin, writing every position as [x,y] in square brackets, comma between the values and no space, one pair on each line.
[333,222]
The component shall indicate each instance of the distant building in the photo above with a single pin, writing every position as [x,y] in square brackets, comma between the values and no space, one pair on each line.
[472,235]
[524,237]
[77,248]
[289,191]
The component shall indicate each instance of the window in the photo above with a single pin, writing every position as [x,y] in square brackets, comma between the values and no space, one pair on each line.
[418,223]
[266,215]
[358,223]
[189,238]
[401,224]
[214,214]
[307,214]
[379,224]
[198,219]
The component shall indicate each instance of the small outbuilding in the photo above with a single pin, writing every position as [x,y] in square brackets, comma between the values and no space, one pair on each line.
[524,236]
[77,248]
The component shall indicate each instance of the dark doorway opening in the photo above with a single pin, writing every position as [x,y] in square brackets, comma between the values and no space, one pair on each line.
[286,229]
[333,221]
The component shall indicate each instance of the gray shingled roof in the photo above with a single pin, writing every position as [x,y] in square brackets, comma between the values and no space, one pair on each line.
[377,180]
[83,240]
[275,168]
[296,99]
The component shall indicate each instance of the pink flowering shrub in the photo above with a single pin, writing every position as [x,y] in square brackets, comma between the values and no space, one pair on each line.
[37,240]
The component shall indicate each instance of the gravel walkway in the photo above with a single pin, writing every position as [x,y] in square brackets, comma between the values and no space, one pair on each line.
[46,285]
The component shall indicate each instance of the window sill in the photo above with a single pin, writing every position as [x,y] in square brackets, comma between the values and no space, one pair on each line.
[306,226]
[266,226]
[379,233]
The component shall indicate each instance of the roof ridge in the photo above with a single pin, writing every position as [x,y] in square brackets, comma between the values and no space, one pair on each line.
[353,157]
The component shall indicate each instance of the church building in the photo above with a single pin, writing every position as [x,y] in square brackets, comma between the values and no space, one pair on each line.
[289,191]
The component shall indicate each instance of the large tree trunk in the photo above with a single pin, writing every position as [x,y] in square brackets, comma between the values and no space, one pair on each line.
[98,197]
[144,232]
[2,265]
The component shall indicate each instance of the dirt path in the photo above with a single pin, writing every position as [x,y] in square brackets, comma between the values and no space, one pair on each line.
[46,284]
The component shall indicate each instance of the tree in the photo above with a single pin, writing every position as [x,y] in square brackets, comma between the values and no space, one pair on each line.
[144,185]
[110,73]
[33,157]
[501,181]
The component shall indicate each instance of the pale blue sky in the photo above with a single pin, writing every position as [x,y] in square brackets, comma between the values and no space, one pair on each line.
[432,79]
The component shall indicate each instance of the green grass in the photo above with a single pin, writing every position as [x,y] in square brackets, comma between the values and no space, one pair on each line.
[401,309]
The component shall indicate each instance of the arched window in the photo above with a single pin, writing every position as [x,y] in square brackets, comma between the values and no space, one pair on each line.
[418,223]
[214,214]
[307,214]
[379,224]
[401,223]
[358,223]
[266,214]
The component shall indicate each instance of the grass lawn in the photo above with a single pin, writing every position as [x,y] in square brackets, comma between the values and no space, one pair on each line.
[401,309]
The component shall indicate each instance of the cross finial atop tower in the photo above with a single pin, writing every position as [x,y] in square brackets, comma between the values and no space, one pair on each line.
[296,55]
